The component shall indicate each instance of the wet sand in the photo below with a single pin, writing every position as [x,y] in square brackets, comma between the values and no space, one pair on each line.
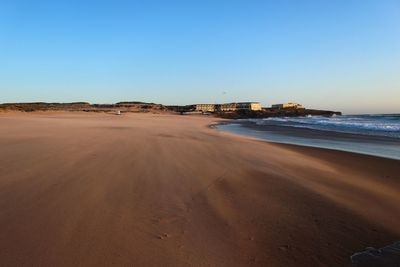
[163,190]
[379,146]
[313,133]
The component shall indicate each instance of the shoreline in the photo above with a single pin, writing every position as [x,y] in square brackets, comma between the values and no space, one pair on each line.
[309,150]
[155,189]
[288,135]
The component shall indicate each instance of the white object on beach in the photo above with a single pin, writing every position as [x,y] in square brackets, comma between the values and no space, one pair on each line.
[118,112]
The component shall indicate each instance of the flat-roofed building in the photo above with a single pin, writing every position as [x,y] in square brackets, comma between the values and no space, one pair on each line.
[227,107]
[254,106]
[205,107]
[288,105]
[250,106]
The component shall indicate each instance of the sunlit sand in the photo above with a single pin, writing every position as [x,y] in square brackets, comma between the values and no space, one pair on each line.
[165,190]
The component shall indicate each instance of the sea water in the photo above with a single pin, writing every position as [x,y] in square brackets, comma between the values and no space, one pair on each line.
[380,125]
[380,133]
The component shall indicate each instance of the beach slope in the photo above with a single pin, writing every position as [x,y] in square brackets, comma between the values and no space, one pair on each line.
[164,190]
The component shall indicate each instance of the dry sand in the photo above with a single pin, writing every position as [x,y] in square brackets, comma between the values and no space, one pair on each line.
[162,190]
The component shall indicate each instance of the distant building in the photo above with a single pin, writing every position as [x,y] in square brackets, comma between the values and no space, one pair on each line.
[254,106]
[288,105]
[228,107]
[205,107]
[250,106]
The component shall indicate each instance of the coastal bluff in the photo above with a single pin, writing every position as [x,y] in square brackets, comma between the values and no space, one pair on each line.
[271,112]
[134,106]
[145,107]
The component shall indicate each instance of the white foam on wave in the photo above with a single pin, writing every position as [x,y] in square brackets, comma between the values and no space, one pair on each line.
[352,124]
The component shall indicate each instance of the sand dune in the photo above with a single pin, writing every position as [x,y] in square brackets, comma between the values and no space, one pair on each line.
[163,190]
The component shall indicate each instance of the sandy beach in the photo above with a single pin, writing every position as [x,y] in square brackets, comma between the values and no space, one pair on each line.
[85,189]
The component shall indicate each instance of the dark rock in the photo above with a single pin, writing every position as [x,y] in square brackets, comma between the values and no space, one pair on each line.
[388,256]
[270,112]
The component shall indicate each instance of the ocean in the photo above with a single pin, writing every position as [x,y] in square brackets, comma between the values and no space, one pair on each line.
[377,135]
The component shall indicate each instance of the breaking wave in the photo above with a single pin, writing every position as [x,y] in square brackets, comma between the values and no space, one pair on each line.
[382,125]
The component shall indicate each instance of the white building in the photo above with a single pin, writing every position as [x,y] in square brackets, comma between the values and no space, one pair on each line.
[288,105]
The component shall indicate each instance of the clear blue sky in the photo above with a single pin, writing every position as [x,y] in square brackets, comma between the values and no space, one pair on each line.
[341,55]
